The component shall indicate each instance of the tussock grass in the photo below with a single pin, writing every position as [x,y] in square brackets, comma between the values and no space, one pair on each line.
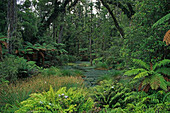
[20,90]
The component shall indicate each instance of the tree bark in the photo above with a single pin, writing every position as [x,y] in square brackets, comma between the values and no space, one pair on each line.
[11,22]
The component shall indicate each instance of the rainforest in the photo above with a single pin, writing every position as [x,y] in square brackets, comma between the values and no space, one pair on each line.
[84,56]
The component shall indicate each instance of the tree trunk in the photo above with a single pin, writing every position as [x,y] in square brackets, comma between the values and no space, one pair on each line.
[11,22]
[60,34]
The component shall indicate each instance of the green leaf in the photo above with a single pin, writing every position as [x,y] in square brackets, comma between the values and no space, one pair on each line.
[141,63]
[141,75]
[162,20]
[161,64]
[134,72]
[164,70]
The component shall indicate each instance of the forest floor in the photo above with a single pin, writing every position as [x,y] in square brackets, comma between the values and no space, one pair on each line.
[90,74]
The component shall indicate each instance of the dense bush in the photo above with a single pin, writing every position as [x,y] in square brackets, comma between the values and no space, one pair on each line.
[60,72]
[114,97]
[102,66]
[62,101]
[12,68]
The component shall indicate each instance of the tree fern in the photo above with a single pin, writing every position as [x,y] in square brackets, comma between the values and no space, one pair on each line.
[151,77]
[141,64]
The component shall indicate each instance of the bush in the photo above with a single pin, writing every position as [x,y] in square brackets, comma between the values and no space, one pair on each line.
[102,66]
[51,71]
[61,72]
[12,68]
[110,94]
[113,97]
[71,100]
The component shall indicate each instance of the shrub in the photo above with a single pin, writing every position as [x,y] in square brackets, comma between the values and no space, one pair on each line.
[51,71]
[113,97]
[102,66]
[12,68]
[109,94]
[60,72]
[71,100]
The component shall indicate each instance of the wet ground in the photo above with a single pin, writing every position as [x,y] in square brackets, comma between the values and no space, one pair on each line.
[91,75]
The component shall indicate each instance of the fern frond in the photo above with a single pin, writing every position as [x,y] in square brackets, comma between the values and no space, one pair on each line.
[133,72]
[141,75]
[141,63]
[161,64]
[146,81]
[155,82]
[162,20]
[163,84]
[164,70]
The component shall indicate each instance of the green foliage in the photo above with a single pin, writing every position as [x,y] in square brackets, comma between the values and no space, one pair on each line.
[54,71]
[102,65]
[112,74]
[114,97]
[71,100]
[12,68]
[163,20]
[151,75]
[51,71]
[110,94]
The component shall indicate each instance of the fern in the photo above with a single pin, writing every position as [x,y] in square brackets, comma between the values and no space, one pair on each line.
[133,72]
[141,75]
[164,70]
[155,82]
[146,81]
[161,64]
[162,20]
[141,63]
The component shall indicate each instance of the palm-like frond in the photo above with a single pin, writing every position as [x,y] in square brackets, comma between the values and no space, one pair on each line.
[134,72]
[141,75]
[141,63]
[164,70]
[161,64]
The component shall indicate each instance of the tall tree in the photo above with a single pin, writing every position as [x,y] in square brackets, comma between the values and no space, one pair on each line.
[11,22]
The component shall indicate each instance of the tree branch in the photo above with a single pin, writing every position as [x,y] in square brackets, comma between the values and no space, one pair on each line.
[129,12]
[114,19]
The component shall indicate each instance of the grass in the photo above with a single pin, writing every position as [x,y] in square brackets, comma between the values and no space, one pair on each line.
[14,93]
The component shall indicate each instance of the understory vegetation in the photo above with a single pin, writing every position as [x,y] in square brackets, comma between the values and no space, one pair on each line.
[84,56]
